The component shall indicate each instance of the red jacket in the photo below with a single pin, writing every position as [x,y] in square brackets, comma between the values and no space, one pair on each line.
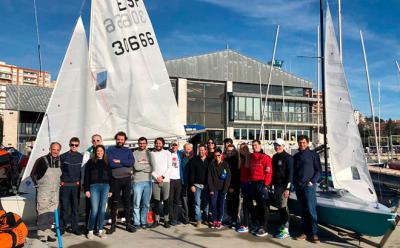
[261,168]
[244,172]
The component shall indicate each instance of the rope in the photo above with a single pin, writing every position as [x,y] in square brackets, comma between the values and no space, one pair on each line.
[82,7]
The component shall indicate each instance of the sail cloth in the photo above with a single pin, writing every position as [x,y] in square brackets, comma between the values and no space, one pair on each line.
[135,94]
[347,159]
[67,113]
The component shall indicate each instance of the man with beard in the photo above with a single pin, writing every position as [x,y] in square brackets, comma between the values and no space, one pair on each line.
[121,162]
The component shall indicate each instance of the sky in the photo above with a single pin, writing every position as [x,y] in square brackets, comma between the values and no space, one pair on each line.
[194,27]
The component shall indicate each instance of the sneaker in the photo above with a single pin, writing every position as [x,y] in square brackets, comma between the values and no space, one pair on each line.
[77,232]
[243,229]
[112,229]
[301,237]
[102,234]
[123,219]
[167,225]
[130,228]
[154,224]
[144,226]
[314,239]
[234,225]
[219,225]
[51,239]
[261,232]
[214,225]
[90,235]
[284,233]
[254,230]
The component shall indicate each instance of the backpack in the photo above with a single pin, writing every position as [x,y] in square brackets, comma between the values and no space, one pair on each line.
[13,231]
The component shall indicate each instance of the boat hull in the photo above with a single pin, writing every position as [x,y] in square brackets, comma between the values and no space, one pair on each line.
[355,216]
[23,205]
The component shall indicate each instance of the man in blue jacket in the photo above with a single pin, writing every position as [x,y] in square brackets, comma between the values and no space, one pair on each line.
[121,162]
[307,170]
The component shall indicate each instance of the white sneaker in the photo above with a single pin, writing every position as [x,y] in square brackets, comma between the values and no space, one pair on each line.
[102,234]
[123,219]
[90,235]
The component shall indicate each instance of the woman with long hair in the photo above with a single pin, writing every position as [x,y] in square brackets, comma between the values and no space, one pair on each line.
[97,188]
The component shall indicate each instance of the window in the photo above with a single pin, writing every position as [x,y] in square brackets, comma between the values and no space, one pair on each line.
[257,109]
[236,133]
[251,134]
[244,134]
[249,109]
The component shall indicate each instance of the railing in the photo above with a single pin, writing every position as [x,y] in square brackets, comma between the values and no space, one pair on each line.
[292,117]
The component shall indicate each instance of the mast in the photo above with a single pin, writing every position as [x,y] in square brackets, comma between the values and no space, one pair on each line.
[340,29]
[379,119]
[318,82]
[284,113]
[371,104]
[269,82]
[321,28]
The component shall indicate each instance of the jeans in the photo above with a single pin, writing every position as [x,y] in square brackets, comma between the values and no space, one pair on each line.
[308,201]
[69,198]
[201,203]
[98,200]
[217,205]
[141,202]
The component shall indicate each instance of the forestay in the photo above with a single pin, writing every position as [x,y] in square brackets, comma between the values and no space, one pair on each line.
[68,113]
[347,159]
[133,90]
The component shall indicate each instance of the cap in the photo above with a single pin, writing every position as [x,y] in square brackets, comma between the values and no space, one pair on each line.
[279,142]
[174,142]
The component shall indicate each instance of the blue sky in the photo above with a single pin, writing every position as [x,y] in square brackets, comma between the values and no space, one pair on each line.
[192,27]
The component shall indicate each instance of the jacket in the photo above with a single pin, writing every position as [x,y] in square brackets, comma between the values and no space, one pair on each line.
[307,167]
[260,168]
[216,181]
[282,166]
[198,170]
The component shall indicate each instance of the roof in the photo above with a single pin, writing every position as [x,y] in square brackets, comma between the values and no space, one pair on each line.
[229,65]
[32,98]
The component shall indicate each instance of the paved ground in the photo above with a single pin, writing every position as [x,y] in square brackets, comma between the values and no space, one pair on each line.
[189,236]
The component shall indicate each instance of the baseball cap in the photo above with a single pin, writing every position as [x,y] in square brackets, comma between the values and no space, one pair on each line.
[175,142]
[279,142]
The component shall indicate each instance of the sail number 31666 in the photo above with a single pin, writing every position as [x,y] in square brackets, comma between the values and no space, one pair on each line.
[132,43]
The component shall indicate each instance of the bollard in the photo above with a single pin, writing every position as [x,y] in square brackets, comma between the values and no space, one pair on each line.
[58,228]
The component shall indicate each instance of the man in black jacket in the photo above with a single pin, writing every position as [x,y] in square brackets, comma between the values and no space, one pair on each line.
[71,163]
[198,169]
[282,168]
[232,198]
[307,170]
[45,175]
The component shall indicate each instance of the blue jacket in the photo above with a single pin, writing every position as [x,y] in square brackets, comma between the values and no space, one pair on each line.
[71,163]
[121,153]
[307,167]
[184,166]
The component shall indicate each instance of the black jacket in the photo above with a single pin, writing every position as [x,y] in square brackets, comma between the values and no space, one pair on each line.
[41,165]
[233,163]
[282,169]
[215,182]
[71,163]
[96,172]
[198,170]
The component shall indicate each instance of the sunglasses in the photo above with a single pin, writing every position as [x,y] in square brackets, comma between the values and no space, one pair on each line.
[73,145]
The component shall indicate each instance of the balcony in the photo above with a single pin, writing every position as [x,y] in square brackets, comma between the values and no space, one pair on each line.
[292,117]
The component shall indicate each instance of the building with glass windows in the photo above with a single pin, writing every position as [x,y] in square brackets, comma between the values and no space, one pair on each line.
[221,91]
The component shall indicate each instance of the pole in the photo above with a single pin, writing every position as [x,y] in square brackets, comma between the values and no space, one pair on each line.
[284,113]
[269,82]
[340,29]
[321,28]
[370,95]
[379,118]
[318,82]
[398,66]
[60,244]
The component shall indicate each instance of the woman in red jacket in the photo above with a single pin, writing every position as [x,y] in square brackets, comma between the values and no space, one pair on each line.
[260,178]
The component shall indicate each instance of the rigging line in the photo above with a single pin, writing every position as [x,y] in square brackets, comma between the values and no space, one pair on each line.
[38,38]
[82,7]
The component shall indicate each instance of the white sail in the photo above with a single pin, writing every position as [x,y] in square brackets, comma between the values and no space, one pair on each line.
[68,111]
[136,95]
[347,159]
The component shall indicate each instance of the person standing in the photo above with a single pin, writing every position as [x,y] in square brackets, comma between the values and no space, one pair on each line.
[198,183]
[282,166]
[97,189]
[89,153]
[175,203]
[45,175]
[121,162]
[71,163]
[184,158]
[210,149]
[162,163]
[141,186]
[247,204]
[260,177]
[306,172]
[232,197]
[219,177]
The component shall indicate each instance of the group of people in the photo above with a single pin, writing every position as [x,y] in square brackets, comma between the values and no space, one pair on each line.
[179,184]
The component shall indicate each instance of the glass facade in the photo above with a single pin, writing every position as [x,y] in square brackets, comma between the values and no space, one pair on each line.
[273,90]
[271,133]
[206,104]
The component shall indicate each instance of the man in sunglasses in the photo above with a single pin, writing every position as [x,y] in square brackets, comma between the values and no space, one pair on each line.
[71,163]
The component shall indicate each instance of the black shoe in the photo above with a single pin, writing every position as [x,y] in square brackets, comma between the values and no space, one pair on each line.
[77,232]
[154,225]
[130,228]
[112,229]
[51,239]
[167,225]
[62,232]
[185,222]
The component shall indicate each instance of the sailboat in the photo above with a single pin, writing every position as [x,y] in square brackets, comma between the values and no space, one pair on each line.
[118,83]
[352,203]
